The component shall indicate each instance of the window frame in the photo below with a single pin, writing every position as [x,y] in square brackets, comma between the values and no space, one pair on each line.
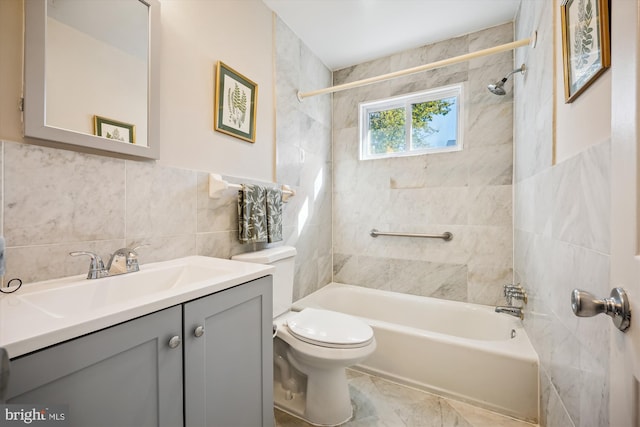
[405,101]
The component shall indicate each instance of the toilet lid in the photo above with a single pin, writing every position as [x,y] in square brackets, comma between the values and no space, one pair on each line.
[329,329]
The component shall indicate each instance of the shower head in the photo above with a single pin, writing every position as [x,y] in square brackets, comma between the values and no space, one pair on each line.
[497,88]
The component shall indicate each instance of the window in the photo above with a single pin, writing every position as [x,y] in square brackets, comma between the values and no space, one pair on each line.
[408,125]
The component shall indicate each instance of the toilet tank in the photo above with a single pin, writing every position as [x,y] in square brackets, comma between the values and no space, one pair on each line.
[283,259]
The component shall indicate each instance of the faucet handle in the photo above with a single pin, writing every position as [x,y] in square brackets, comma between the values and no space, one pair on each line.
[516,292]
[511,287]
[132,257]
[506,288]
[96,266]
[124,260]
[517,295]
[142,245]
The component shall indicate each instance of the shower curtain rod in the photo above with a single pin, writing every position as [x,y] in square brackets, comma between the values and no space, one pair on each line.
[442,63]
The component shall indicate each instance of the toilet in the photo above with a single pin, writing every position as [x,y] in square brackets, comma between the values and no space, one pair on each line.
[311,349]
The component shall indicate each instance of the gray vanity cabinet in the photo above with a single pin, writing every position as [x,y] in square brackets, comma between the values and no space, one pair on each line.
[125,375]
[229,382]
[129,375]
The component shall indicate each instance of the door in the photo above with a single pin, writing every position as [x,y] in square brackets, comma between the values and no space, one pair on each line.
[126,375]
[625,214]
[228,357]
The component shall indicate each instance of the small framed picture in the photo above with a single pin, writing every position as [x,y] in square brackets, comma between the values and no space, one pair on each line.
[236,100]
[113,129]
[586,48]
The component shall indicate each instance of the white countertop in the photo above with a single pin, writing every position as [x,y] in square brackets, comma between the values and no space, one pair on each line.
[80,306]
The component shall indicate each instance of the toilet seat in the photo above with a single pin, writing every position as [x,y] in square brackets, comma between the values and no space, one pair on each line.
[329,329]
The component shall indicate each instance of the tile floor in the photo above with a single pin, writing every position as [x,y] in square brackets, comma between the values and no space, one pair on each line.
[381,403]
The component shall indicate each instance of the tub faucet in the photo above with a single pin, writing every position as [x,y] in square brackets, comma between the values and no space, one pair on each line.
[516,295]
[514,292]
[512,311]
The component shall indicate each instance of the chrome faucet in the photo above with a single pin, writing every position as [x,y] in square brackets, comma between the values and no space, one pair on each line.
[96,266]
[124,260]
[512,292]
[516,292]
[512,311]
[516,295]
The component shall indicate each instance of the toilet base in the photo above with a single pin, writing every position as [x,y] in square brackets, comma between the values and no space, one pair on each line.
[294,404]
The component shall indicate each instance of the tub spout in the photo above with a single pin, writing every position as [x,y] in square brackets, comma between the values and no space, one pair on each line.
[513,311]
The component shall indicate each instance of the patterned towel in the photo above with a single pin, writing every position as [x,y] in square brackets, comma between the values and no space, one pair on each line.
[274,215]
[259,214]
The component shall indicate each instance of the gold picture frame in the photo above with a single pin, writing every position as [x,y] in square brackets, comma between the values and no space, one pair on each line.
[236,101]
[114,129]
[586,47]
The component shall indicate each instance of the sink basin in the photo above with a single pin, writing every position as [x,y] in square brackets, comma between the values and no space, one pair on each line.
[45,313]
[80,296]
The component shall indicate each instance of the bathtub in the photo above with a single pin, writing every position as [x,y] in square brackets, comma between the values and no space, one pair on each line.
[458,350]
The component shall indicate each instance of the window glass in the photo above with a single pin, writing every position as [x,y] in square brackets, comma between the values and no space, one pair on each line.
[421,123]
[387,131]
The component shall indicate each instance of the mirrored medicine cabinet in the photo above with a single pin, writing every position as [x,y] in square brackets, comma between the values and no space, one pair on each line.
[91,75]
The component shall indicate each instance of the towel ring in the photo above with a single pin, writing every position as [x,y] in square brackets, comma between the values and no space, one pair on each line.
[9,284]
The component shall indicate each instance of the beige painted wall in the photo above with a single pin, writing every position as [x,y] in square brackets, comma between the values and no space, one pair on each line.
[587,120]
[195,35]
[55,201]
[10,69]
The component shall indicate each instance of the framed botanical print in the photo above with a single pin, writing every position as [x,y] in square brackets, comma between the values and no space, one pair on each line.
[236,101]
[586,48]
[113,129]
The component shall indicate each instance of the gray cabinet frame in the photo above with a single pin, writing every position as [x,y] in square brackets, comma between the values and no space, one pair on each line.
[128,376]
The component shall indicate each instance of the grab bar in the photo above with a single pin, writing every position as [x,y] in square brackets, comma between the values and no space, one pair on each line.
[444,236]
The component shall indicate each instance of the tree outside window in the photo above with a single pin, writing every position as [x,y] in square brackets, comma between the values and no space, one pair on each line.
[414,124]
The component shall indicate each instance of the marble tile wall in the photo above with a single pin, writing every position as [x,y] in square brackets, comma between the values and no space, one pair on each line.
[466,192]
[304,157]
[57,201]
[561,241]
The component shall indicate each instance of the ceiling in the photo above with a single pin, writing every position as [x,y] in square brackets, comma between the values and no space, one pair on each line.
[348,32]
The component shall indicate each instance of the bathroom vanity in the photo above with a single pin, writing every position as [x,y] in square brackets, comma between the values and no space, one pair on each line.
[205,361]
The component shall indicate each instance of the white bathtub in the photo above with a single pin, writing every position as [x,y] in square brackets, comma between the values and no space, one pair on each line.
[459,350]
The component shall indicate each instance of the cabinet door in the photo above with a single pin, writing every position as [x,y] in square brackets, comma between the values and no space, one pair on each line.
[125,375]
[229,368]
